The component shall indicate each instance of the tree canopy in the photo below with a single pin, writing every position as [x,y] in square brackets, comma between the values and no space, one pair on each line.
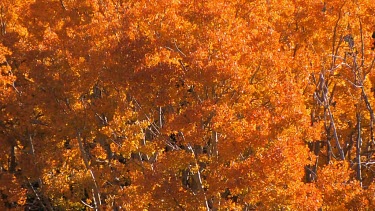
[187,105]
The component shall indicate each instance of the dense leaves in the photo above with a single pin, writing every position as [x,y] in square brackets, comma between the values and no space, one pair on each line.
[187,105]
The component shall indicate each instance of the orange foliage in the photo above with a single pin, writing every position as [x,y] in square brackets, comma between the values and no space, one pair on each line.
[190,105]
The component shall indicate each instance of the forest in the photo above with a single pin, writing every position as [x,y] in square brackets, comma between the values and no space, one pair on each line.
[187,105]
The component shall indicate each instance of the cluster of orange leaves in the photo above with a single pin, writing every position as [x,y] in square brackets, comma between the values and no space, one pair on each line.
[187,105]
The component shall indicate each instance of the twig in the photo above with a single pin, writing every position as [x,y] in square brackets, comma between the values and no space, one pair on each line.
[175,44]
[87,204]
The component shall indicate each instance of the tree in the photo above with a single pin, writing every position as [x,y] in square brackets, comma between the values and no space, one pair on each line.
[187,105]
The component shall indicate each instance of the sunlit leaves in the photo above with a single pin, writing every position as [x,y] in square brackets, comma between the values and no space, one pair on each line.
[160,105]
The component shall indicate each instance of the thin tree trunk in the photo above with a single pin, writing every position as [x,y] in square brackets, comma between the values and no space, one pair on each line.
[358,150]
[96,192]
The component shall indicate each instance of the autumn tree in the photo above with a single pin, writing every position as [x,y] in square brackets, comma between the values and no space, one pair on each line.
[186,105]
